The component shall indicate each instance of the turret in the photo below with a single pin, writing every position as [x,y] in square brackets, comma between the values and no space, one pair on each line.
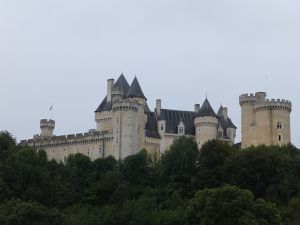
[47,127]
[206,124]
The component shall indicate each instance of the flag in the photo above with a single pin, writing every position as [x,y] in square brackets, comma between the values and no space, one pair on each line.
[51,108]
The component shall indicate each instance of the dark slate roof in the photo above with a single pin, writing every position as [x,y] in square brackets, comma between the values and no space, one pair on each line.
[220,112]
[225,123]
[147,109]
[104,106]
[135,90]
[122,84]
[206,110]
[151,126]
[173,118]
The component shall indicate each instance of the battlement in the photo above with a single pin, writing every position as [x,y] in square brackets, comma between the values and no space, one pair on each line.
[280,104]
[125,106]
[248,99]
[70,139]
[47,123]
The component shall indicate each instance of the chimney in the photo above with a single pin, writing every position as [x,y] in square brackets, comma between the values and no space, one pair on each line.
[197,108]
[110,84]
[158,106]
[224,112]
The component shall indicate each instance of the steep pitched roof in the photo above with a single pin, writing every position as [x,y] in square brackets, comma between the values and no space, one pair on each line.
[220,112]
[122,84]
[151,126]
[173,118]
[206,110]
[104,106]
[135,90]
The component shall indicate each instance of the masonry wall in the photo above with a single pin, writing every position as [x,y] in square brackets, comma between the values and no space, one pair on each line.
[206,129]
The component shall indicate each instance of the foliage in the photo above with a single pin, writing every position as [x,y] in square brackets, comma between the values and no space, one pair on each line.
[184,187]
[229,205]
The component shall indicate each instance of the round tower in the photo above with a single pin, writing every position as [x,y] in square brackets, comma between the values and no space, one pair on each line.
[273,122]
[47,127]
[206,129]
[206,124]
[125,129]
[248,123]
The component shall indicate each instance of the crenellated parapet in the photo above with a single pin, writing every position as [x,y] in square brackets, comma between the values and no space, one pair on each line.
[248,99]
[125,106]
[40,142]
[47,123]
[274,104]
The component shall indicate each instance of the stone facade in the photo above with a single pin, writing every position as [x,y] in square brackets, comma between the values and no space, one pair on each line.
[125,125]
[264,121]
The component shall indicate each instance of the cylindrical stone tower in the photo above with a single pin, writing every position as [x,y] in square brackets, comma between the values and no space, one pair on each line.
[47,127]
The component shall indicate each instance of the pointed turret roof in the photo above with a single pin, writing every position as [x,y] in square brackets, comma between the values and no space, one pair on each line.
[206,110]
[135,90]
[220,112]
[122,84]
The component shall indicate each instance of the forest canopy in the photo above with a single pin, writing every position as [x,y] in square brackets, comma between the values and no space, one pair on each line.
[218,184]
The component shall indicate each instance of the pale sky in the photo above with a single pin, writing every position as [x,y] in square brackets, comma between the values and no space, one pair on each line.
[61,52]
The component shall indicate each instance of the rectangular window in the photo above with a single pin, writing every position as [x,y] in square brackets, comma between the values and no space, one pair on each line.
[279,125]
[162,127]
[180,131]
[279,138]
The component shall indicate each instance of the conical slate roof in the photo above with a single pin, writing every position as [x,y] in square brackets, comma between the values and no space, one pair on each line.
[220,112]
[122,84]
[135,90]
[206,110]
[104,106]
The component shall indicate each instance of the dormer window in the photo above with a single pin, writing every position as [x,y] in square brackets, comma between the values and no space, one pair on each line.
[181,130]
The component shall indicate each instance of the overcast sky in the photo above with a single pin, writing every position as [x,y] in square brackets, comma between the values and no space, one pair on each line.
[62,52]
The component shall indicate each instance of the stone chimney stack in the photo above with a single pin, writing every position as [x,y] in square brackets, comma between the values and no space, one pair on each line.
[225,112]
[158,106]
[110,84]
[197,108]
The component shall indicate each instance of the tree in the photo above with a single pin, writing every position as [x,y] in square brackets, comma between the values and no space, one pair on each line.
[7,145]
[291,213]
[211,161]
[229,205]
[137,168]
[17,212]
[179,164]
[260,169]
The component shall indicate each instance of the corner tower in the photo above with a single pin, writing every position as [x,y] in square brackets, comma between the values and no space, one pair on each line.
[129,121]
[264,121]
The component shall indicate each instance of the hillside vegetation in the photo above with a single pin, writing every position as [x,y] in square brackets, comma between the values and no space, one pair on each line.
[219,185]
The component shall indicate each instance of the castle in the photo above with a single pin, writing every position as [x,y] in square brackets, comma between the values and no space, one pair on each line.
[125,125]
